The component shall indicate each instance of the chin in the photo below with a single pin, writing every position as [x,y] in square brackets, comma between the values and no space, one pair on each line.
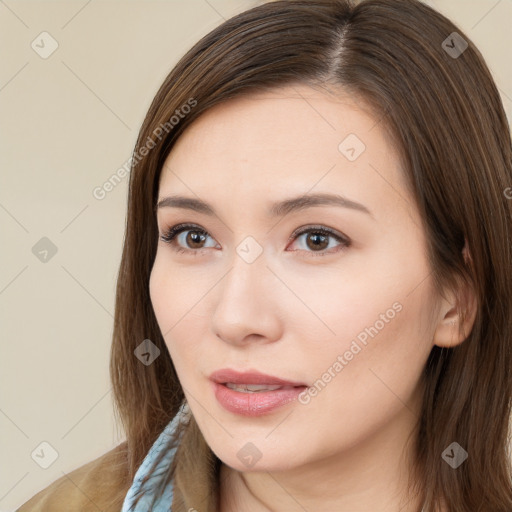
[252,457]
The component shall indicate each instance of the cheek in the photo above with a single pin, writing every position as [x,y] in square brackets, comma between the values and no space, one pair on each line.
[176,297]
[174,294]
[361,385]
[350,304]
[377,357]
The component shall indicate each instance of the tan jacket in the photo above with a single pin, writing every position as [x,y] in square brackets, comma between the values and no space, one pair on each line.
[98,486]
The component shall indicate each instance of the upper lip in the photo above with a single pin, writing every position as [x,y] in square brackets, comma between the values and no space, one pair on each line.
[250,377]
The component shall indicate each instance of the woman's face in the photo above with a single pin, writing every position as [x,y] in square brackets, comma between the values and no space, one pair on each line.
[254,287]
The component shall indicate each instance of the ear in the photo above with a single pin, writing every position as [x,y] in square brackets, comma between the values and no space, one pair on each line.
[457,313]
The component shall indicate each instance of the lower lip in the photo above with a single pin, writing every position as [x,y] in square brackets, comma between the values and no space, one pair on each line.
[254,404]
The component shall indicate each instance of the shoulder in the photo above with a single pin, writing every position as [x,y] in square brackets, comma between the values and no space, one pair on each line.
[98,485]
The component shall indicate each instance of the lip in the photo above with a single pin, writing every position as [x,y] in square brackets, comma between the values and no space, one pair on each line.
[253,404]
[250,377]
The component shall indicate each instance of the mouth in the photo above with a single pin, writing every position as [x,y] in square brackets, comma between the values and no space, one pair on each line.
[253,393]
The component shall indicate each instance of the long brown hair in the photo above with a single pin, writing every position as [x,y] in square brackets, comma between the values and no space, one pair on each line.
[444,114]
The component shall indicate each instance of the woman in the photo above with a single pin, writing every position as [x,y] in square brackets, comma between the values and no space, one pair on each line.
[314,302]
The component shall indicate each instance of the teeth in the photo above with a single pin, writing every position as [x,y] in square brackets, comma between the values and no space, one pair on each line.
[253,388]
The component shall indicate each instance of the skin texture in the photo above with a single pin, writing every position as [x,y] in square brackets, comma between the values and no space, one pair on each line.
[292,312]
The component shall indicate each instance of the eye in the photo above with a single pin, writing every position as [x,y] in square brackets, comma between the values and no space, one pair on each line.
[188,235]
[316,240]
[190,238]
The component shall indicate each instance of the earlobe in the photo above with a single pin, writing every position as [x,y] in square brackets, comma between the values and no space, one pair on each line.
[457,316]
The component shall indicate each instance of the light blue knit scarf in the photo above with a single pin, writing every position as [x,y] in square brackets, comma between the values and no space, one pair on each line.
[151,498]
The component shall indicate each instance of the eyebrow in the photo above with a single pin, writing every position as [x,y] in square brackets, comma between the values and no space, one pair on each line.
[278,209]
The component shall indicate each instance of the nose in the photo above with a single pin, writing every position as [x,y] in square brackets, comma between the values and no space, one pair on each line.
[247,308]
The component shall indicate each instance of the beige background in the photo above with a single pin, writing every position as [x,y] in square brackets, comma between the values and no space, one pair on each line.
[68,122]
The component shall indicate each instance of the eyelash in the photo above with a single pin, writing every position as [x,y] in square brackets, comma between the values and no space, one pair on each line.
[169,236]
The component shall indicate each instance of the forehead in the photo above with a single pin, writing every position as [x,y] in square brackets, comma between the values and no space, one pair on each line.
[281,143]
